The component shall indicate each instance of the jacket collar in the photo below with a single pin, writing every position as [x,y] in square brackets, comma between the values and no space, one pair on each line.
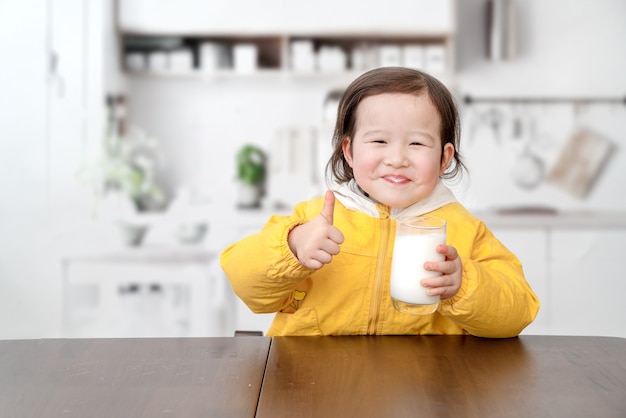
[353,198]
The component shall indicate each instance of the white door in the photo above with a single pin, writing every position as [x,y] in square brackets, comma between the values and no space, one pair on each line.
[46,119]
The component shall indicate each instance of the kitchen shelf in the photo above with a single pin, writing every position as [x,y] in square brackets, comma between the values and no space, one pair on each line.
[274,76]
[295,56]
[285,41]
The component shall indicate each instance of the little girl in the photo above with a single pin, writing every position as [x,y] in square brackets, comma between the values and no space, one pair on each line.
[325,269]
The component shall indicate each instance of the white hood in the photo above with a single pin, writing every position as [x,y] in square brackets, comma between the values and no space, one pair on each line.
[352,197]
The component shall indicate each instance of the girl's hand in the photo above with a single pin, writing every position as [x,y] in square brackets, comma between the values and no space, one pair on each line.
[449,283]
[317,241]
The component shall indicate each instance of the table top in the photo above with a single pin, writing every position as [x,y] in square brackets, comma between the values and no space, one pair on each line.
[178,377]
[410,376]
[445,376]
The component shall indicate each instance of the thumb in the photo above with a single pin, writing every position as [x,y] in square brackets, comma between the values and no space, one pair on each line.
[329,206]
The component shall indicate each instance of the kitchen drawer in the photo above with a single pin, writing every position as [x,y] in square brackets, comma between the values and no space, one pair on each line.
[588,244]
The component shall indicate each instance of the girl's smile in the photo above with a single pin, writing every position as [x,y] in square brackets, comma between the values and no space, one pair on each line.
[396,179]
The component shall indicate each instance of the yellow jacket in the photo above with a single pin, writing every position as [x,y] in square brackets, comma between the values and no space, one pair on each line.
[350,295]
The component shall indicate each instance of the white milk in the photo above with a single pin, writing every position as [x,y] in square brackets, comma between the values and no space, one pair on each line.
[407,269]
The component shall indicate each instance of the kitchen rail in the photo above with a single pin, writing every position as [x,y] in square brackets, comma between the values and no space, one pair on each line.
[469,100]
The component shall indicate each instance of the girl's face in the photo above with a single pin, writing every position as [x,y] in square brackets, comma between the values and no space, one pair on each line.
[396,154]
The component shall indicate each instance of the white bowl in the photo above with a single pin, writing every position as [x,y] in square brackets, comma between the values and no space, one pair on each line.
[132,234]
[192,232]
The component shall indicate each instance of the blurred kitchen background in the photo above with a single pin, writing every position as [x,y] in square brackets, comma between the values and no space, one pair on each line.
[139,138]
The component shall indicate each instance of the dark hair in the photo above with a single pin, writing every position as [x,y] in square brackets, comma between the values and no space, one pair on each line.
[394,80]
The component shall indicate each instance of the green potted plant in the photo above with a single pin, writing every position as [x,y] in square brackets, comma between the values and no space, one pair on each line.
[128,166]
[251,170]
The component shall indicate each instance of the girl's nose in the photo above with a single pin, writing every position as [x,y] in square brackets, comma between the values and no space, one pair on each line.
[396,157]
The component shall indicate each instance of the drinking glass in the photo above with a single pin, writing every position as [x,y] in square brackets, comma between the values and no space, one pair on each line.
[415,243]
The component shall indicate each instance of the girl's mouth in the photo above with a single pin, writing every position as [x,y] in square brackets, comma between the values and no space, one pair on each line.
[396,179]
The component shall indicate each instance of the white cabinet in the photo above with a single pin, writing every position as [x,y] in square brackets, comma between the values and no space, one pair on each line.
[530,245]
[587,285]
[145,292]
[246,16]
[577,274]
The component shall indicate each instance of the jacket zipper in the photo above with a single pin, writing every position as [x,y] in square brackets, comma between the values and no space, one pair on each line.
[377,290]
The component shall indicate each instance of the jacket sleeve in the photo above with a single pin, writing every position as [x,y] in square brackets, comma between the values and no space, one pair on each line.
[494,300]
[261,268]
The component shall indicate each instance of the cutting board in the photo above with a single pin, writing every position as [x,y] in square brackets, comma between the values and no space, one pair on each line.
[581,162]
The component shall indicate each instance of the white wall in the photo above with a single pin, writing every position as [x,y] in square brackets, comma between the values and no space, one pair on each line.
[201,125]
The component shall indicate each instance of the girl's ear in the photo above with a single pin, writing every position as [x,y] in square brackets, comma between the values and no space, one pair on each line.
[446,157]
[347,150]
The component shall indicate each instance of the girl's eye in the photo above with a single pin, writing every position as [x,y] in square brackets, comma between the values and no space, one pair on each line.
[416,143]
[379,141]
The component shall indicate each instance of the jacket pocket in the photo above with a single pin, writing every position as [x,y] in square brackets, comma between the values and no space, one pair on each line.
[303,322]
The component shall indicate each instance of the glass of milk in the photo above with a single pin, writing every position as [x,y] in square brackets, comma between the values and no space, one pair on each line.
[416,243]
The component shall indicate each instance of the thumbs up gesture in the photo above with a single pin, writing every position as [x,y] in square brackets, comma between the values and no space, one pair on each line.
[317,241]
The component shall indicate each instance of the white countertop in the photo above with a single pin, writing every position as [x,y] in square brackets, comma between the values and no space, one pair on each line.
[149,253]
[511,218]
[558,219]
[228,224]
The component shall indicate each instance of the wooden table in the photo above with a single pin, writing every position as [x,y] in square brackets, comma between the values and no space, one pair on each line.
[437,376]
[190,377]
[445,376]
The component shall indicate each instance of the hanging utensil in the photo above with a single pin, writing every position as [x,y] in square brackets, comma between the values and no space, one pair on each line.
[492,117]
[529,170]
[495,120]
[517,124]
